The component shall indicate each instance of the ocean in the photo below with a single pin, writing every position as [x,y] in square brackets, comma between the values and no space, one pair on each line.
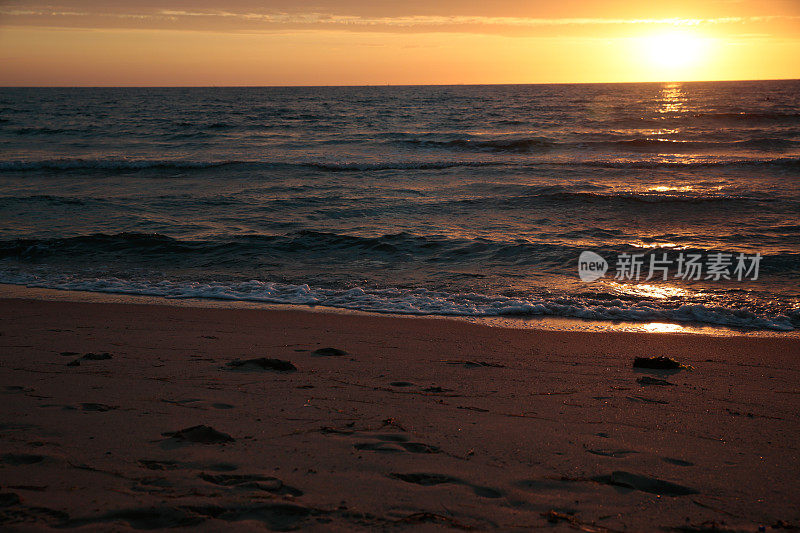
[429,200]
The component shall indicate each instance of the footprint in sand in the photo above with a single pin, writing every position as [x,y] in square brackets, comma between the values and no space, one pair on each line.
[261,364]
[474,364]
[436,390]
[427,480]
[394,443]
[329,352]
[157,464]
[378,440]
[617,454]
[197,403]
[195,435]
[644,484]
[275,516]
[251,482]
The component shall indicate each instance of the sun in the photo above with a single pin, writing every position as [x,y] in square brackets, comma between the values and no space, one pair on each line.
[675,49]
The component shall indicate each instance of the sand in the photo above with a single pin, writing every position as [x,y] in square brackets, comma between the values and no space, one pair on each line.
[203,419]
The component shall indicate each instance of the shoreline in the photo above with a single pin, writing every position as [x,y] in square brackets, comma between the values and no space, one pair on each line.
[127,416]
[547,323]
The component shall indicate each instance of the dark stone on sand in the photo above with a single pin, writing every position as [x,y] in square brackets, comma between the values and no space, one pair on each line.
[436,390]
[7,499]
[329,352]
[647,380]
[678,462]
[401,384]
[17,459]
[555,517]
[16,388]
[263,363]
[644,484]
[89,357]
[96,356]
[69,354]
[201,435]
[659,363]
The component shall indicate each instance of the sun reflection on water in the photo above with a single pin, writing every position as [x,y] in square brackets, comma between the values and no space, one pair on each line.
[662,327]
[653,291]
[672,99]
[671,188]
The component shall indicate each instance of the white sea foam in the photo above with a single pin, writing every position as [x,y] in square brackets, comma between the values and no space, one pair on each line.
[410,301]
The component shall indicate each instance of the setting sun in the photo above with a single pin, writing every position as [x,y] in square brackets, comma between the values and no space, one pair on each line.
[676,49]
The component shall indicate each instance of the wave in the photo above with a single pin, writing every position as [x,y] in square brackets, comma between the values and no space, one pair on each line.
[495,145]
[749,116]
[714,120]
[635,197]
[638,144]
[418,301]
[778,163]
[36,131]
[173,165]
[412,165]
[45,198]
[125,165]
[109,164]
[307,247]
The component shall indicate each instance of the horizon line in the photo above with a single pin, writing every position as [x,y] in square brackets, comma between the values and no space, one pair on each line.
[383,85]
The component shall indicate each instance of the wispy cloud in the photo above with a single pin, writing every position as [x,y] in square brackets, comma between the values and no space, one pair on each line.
[397,21]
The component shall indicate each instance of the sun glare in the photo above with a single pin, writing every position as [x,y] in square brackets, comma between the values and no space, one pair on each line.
[676,49]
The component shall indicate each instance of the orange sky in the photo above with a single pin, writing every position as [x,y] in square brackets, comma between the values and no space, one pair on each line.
[354,42]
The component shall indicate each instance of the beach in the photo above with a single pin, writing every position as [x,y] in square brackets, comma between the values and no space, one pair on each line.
[120,416]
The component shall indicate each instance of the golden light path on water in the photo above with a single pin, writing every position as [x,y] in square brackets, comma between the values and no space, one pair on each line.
[651,291]
[673,98]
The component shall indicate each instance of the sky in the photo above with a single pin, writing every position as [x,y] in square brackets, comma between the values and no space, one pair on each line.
[379,42]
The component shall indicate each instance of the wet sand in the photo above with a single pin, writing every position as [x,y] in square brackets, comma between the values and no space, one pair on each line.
[205,418]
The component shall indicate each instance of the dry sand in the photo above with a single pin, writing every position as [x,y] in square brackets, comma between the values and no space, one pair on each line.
[423,424]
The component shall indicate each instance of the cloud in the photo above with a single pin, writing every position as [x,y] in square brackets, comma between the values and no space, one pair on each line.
[396,21]
[254,21]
